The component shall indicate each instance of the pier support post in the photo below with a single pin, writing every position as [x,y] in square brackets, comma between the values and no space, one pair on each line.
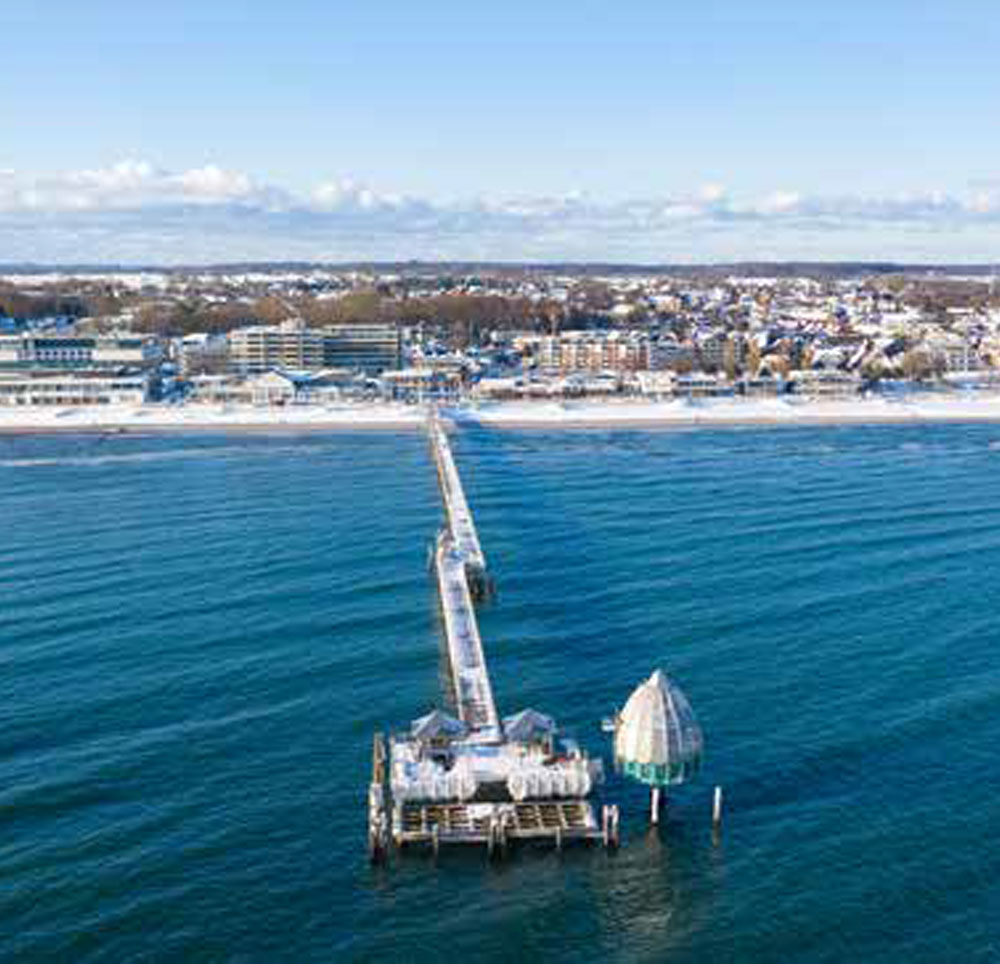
[654,805]
[609,826]
[717,809]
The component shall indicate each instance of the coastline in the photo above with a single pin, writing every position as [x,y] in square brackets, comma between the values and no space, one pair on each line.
[677,413]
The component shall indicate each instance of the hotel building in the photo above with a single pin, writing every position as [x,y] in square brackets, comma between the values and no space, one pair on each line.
[28,351]
[291,346]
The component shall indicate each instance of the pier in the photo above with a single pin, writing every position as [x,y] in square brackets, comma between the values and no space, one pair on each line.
[477,778]
[473,691]
[461,525]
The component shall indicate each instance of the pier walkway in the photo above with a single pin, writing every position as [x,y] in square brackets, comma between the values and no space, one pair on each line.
[473,692]
[461,568]
[461,525]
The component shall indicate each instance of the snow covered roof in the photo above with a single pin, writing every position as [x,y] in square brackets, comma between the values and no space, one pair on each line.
[523,726]
[437,724]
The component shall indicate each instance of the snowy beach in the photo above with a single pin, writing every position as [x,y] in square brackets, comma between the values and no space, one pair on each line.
[631,412]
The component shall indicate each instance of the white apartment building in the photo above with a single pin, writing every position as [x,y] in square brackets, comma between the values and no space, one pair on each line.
[27,350]
[371,348]
[83,388]
[575,351]
[263,348]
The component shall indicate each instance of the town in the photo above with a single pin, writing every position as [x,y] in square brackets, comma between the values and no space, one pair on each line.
[304,335]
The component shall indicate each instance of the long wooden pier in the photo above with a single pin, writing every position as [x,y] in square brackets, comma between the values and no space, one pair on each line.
[477,778]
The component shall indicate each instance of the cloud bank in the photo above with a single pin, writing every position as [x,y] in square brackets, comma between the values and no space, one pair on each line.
[136,212]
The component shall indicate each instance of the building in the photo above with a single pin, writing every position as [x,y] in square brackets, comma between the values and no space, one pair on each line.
[702,385]
[717,351]
[422,385]
[274,388]
[201,354]
[668,353]
[818,383]
[762,386]
[655,383]
[292,346]
[27,351]
[73,388]
[953,353]
[577,351]
[219,390]
[260,349]
[370,348]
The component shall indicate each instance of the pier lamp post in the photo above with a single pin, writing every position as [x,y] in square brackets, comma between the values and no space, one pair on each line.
[657,739]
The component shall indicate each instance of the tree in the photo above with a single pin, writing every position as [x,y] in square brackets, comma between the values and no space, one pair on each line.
[917,364]
[271,311]
[730,360]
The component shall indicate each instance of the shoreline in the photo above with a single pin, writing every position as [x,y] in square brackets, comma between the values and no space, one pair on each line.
[764,413]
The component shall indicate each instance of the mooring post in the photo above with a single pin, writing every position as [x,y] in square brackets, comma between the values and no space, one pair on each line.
[654,805]
[717,808]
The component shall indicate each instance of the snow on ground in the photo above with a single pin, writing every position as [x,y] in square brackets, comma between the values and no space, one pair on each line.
[678,412]
[733,410]
[200,416]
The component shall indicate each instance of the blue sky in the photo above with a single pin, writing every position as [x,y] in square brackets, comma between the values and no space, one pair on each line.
[551,130]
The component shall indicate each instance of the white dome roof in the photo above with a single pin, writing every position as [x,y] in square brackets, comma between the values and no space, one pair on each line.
[658,728]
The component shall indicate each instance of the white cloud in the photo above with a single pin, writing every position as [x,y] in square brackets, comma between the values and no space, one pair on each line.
[137,211]
[129,184]
[780,202]
[712,193]
[213,184]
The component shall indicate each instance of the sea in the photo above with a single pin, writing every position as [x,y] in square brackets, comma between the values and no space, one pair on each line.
[199,635]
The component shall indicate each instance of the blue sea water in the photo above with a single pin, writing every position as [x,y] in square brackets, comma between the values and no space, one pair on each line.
[199,634]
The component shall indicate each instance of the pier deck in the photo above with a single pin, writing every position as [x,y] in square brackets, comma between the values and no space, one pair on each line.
[461,524]
[473,692]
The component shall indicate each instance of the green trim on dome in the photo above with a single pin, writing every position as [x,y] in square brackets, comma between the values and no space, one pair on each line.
[661,774]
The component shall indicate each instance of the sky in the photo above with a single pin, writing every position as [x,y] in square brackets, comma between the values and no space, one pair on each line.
[634,130]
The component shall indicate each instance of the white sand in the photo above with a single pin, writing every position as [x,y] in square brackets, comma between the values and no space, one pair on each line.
[680,412]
